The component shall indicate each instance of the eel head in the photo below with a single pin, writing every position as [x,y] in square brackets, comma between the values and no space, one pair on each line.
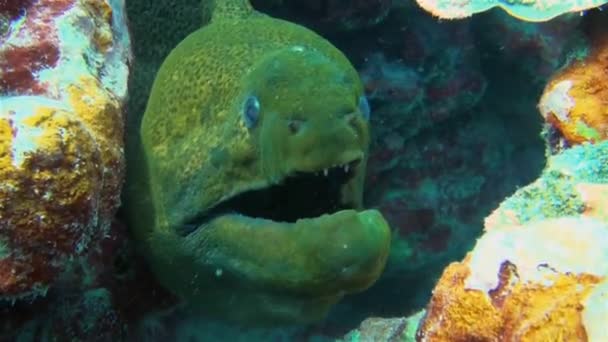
[259,208]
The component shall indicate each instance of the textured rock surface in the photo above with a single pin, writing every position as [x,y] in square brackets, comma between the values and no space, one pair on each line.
[536,50]
[539,271]
[63,82]
[434,76]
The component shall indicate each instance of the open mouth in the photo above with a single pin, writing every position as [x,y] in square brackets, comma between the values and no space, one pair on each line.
[298,196]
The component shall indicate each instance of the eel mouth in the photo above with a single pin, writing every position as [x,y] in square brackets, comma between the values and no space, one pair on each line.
[299,195]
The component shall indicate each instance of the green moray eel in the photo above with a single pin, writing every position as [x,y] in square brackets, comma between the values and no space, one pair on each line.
[245,194]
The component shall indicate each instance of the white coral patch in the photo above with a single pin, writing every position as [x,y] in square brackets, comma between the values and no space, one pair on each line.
[80,56]
[115,75]
[557,101]
[565,245]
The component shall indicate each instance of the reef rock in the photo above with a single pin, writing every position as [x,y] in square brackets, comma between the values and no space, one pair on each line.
[63,82]
[539,272]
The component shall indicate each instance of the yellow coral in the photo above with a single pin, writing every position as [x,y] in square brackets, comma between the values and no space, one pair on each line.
[61,172]
[514,311]
[457,314]
[575,100]
[535,312]
[507,289]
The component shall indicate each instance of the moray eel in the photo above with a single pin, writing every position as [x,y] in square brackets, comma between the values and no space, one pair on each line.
[245,194]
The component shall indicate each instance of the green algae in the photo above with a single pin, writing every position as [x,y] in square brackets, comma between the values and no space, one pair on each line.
[409,333]
[584,163]
[587,132]
[553,194]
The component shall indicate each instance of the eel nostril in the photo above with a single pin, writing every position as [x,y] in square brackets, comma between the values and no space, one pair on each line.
[351,118]
[294,126]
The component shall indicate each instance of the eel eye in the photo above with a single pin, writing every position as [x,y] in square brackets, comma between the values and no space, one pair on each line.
[364,107]
[251,111]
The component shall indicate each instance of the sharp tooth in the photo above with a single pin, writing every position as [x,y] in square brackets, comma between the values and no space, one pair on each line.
[325,172]
[346,168]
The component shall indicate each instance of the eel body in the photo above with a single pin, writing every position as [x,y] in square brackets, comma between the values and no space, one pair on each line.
[245,195]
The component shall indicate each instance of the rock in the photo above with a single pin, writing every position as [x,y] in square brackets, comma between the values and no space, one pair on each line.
[536,50]
[62,88]
[410,93]
[90,316]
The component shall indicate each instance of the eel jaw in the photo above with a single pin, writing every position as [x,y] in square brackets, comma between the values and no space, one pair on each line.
[297,196]
[287,252]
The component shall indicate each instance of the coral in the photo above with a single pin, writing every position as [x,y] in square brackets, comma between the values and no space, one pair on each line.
[514,310]
[574,100]
[528,10]
[538,271]
[65,67]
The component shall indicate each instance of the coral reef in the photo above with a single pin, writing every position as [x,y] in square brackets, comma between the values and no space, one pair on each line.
[453,133]
[63,83]
[528,10]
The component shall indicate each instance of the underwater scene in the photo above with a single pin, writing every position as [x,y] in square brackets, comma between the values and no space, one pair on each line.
[304,170]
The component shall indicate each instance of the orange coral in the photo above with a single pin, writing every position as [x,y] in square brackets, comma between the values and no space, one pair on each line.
[575,101]
[457,314]
[513,311]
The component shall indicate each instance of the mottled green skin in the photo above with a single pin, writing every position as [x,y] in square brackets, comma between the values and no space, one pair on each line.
[196,150]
